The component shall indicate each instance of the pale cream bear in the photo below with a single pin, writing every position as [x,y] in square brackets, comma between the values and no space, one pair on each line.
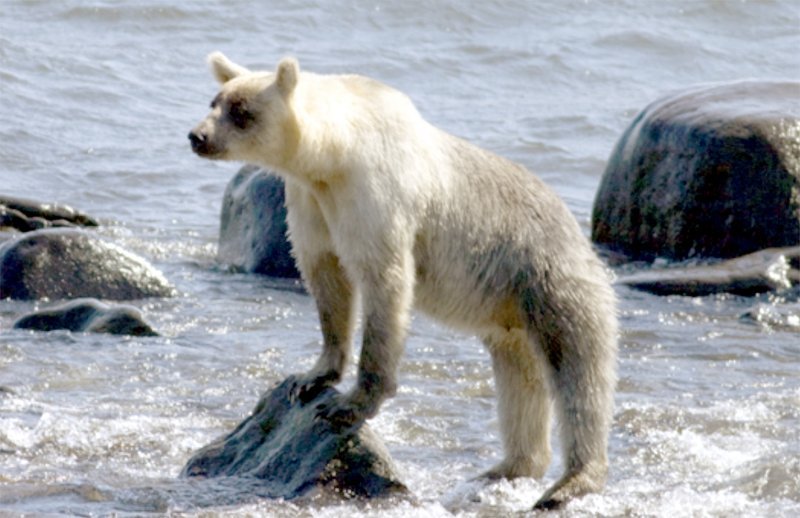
[387,209]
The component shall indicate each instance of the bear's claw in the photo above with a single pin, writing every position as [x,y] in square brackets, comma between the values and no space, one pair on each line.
[339,413]
[548,504]
[307,387]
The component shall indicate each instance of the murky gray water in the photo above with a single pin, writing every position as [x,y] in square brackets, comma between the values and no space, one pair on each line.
[97,99]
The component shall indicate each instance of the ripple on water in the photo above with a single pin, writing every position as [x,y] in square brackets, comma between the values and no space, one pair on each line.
[97,106]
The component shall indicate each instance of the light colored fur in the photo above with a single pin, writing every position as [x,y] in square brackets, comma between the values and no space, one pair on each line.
[386,207]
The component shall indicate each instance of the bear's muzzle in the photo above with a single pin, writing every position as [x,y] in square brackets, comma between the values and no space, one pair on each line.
[200,143]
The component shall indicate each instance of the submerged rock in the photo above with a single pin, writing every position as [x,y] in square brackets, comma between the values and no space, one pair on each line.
[289,451]
[64,263]
[767,270]
[711,172]
[252,235]
[89,316]
[26,215]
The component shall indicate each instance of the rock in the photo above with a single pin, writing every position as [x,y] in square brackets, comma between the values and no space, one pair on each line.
[711,172]
[289,452]
[26,215]
[252,235]
[88,316]
[767,270]
[62,263]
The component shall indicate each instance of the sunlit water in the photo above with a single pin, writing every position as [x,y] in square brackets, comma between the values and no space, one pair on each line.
[97,99]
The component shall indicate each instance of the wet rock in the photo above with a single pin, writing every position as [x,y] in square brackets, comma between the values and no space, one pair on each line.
[767,270]
[88,316]
[711,172]
[288,451]
[252,235]
[26,215]
[63,263]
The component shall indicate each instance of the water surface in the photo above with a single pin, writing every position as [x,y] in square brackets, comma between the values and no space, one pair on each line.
[97,100]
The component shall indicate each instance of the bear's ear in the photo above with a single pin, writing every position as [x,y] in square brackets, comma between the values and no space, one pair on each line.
[223,68]
[287,75]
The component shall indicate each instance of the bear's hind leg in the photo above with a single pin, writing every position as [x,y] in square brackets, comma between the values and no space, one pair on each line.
[577,335]
[584,438]
[523,405]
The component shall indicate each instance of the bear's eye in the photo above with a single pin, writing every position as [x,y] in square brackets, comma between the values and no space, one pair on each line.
[239,115]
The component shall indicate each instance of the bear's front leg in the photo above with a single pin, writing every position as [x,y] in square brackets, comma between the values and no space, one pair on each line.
[333,294]
[387,296]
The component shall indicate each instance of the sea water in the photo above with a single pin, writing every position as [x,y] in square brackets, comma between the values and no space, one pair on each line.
[97,98]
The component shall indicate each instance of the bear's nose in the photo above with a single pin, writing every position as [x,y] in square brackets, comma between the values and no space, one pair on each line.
[198,141]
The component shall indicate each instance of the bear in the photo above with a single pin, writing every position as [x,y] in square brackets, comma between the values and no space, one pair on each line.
[386,213]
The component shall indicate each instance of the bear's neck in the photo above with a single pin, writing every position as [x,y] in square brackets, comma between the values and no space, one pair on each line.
[319,144]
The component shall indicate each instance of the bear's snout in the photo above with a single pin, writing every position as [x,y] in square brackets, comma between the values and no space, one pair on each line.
[199,142]
[196,139]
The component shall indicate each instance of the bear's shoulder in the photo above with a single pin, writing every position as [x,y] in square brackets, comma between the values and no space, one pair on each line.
[358,90]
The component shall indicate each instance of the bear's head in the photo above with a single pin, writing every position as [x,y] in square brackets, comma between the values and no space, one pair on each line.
[251,117]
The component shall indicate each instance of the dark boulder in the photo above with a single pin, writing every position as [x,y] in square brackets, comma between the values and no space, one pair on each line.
[60,263]
[26,215]
[88,316]
[252,236]
[288,451]
[711,172]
